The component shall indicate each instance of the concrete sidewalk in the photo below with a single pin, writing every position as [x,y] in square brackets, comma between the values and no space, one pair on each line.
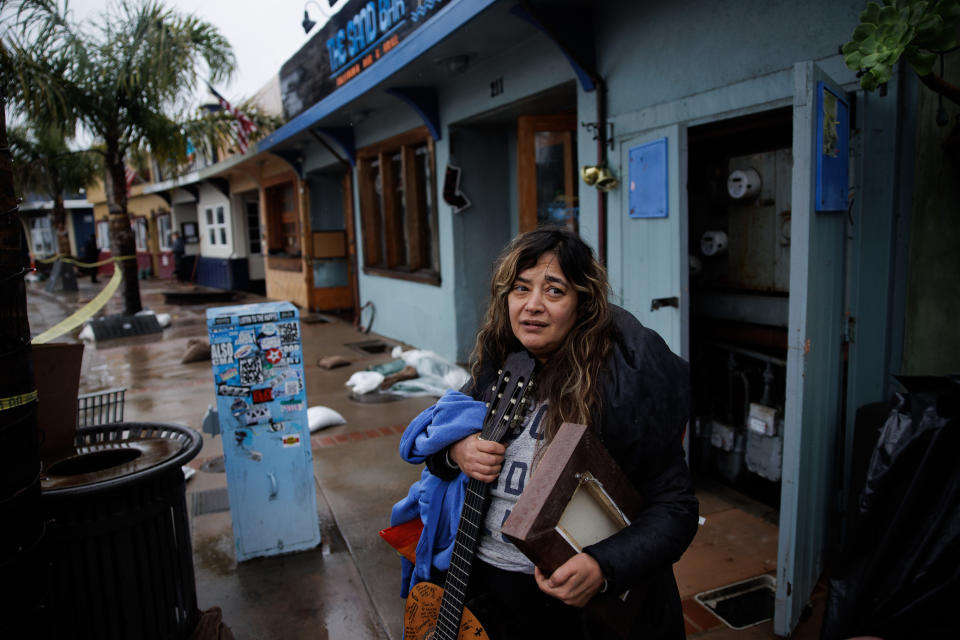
[349,586]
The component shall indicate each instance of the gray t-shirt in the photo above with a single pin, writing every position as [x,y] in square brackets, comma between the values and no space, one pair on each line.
[521,445]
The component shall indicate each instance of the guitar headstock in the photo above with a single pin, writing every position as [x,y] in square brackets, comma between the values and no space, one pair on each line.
[511,395]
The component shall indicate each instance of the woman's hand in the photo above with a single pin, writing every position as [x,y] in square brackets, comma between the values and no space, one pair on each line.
[479,459]
[574,582]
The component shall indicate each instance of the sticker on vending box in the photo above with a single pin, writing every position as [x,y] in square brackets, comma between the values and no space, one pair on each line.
[233,390]
[245,337]
[269,329]
[257,414]
[291,354]
[273,342]
[245,351]
[273,356]
[262,395]
[251,370]
[292,440]
[221,353]
[228,373]
[289,332]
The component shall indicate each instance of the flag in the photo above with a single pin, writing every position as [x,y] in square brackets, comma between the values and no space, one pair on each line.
[243,126]
[130,175]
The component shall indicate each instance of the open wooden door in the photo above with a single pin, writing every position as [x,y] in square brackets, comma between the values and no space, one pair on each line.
[814,356]
[648,241]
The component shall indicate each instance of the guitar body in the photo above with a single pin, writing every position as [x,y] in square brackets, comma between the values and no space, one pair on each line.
[422,610]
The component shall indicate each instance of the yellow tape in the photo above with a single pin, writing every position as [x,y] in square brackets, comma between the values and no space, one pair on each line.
[85,265]
[17,401]
[84,313]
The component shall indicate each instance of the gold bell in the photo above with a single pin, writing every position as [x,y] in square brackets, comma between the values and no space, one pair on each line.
[590,174]
[605,180]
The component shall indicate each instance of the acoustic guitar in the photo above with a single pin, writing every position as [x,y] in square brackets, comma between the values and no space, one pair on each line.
[434,613]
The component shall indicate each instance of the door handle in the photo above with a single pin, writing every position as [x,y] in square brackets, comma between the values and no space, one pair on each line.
[273,486]
[657,303]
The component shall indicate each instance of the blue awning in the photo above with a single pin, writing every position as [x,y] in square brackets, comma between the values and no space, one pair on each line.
[442,24]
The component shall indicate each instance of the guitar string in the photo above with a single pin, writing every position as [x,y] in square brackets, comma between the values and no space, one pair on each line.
[476,495]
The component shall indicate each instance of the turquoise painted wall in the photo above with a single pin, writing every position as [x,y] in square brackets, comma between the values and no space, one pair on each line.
[699,61]
[445,318]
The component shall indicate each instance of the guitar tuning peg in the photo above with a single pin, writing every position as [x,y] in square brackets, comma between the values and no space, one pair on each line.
[499,372]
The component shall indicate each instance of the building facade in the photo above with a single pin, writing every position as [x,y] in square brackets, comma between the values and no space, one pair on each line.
[756,210]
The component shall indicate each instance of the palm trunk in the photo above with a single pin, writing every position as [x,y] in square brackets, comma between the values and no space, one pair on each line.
[20,455]
[121,234]
[63,276]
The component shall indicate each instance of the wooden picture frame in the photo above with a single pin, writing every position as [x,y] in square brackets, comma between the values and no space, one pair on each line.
[576,496]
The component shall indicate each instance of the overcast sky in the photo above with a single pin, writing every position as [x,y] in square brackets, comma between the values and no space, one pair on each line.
[263,34]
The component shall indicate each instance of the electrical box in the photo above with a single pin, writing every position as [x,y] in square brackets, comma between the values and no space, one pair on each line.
[257,361]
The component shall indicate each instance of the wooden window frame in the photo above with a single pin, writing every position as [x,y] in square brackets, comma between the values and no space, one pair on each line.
[394,231]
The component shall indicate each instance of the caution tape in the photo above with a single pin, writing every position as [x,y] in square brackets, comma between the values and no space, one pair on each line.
[85,265]
[84,313]
[12,402]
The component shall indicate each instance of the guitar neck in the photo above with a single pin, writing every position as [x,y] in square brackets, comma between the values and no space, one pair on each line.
[461,560]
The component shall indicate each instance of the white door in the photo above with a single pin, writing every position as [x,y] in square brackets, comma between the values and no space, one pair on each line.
[648,239]
[814,354]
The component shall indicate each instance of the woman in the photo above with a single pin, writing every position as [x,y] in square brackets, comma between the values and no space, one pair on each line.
[597,366]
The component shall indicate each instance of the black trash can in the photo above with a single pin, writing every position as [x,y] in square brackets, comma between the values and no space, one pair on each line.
[118,539]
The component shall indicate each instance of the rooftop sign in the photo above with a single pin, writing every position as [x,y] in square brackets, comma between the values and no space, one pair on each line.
[351,42]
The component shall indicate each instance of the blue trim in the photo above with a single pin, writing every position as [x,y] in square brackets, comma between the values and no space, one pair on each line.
[583,36]
[343,136]
[438,27]
[292,158]
[424,101]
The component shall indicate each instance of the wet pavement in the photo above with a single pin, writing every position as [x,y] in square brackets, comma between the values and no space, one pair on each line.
[348,587]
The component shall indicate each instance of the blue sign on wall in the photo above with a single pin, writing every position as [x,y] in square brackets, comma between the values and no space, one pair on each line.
[648,180]
[833,150]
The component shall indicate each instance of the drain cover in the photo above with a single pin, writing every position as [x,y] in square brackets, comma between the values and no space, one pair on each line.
[209,501]
[742,604]
[369,346]
[120,326]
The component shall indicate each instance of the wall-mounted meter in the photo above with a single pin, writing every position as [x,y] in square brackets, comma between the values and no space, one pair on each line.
[743,184]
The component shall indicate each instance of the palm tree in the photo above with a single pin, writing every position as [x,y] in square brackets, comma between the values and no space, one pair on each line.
[126,80]
[43,164]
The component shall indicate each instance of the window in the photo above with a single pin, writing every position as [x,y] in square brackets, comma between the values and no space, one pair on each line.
[140,233]
[163,224]
[283,220]
[42,235]
[253,225]
[398,207]
[216,226]
[103,235]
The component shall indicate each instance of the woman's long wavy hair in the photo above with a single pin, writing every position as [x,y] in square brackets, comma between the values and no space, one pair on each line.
[568,381]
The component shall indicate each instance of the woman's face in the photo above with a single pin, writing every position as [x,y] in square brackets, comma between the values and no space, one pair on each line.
[542,306]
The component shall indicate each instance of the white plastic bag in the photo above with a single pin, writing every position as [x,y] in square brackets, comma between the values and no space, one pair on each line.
[363,382]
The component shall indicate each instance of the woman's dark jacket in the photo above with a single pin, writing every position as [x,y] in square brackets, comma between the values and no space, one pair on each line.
[645,408]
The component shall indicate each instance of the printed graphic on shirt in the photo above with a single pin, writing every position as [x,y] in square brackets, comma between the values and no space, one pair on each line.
[521,445]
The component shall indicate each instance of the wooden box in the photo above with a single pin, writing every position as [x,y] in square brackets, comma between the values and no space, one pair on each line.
[576,496]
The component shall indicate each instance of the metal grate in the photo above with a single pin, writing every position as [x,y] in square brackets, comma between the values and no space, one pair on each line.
[101,407]
[209,501]
[742,604]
